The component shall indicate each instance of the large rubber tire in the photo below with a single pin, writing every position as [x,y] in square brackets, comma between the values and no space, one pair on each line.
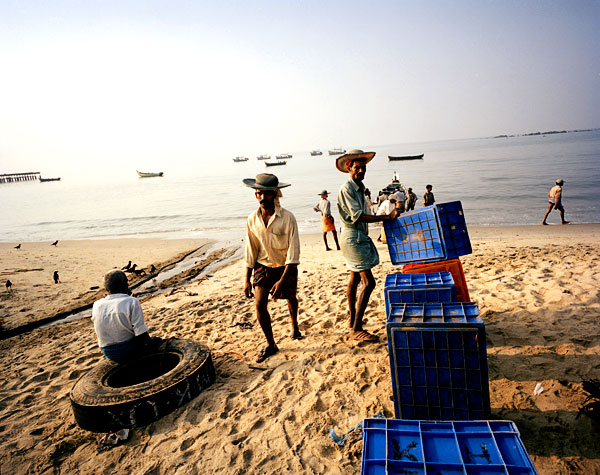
[103,401]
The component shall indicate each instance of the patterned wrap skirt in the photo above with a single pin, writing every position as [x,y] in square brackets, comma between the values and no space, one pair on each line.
[327,224]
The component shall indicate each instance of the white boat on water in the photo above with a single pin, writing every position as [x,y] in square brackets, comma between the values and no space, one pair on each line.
[241,159]
[263,157]
[336,151]
[315,153]
[283,156]
[148,175]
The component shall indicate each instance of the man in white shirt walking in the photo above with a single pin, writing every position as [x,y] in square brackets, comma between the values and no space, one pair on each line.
[272,255]
[119,320]
[327,222]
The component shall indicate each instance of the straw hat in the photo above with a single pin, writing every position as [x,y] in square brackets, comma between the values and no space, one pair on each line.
[264,181]
[341,162]
[324,192]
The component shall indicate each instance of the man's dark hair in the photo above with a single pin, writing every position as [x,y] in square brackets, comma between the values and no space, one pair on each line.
[428,186]
[116,282]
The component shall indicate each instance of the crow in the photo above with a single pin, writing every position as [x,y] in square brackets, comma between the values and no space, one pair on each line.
[132,268]
[8,285]
[127,266]
[18,247]
[152,269]
[56,278]
[54,243]
[139,271]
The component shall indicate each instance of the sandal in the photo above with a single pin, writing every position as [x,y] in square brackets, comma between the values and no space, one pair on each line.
[265,353]
[363,335]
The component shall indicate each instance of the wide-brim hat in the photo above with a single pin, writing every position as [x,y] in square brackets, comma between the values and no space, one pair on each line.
[264,181]
[341,162]
[324,192]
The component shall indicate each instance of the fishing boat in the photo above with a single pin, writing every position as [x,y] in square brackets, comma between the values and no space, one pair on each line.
[263,157]
[336,151]
[393,186]
[274,164]
[148,175]
[241,159]
[283,156]
[314,153]
[43,180]
[406,157]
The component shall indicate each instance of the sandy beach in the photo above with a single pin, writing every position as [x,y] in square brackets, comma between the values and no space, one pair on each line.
[537,288]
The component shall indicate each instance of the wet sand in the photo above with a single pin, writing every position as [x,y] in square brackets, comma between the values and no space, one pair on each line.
[537,290]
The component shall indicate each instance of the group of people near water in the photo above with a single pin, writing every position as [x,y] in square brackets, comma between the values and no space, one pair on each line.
[272,255]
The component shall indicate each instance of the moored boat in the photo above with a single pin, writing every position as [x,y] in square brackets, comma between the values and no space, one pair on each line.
[148,174]
[315,153]
[336,151]
[263,157]
[241,159]
[405,157]
[274,164]
[283,156]
[43,180]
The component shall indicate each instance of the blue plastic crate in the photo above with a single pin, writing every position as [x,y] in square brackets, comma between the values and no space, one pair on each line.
[419,288]
[434,233]
[449,447]
[438,361]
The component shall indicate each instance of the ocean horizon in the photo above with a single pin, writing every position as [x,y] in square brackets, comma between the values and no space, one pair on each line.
[500,181]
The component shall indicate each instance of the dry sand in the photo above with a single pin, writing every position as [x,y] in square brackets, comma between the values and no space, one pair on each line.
[538,292]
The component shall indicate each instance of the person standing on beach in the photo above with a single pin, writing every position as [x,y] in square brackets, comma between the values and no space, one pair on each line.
[119,321]
[327,223]
[412,200]
[555,201]
[272,255]
[359,250]
[428,198]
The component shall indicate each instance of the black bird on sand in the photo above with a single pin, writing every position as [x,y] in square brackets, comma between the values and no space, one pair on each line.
[8,285]
[18,246]
[55,277]
[127,266]
[152,269]
[54,243]
[132,268]
[139,271]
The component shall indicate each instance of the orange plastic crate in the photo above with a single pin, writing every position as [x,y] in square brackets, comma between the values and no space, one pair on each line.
[453,266]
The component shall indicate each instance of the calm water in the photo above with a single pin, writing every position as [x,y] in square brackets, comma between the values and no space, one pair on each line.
[499,181]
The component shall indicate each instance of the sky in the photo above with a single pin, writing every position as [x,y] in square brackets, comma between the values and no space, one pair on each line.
[115,84]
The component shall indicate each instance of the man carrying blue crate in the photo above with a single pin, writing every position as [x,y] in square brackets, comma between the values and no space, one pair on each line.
[358,248]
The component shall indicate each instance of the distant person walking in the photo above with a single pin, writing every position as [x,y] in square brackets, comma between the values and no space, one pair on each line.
[428,198]
[359,250]
[411,200]
[272,255]
[555,201]
[327,222]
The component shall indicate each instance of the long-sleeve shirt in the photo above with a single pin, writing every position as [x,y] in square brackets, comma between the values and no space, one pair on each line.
[324,206]
[275,245]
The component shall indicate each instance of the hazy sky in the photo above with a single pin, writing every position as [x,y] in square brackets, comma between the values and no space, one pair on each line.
[146,83]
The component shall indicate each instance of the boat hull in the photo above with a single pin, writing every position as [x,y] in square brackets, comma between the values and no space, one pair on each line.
[148,175]
[274,164]
[406,157]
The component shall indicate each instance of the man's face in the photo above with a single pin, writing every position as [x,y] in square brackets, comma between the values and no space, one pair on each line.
[266,198]
[357,170]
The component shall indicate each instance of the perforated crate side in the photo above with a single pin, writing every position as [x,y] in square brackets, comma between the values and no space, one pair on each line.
[455,235]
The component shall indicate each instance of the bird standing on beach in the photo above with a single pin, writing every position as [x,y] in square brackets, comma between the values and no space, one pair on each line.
[127,266]
[55,277]
[132,268]
[54,243]
[18,246]
[8,285]
[152,269]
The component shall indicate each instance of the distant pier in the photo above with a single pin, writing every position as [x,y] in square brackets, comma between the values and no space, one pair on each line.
[16,177]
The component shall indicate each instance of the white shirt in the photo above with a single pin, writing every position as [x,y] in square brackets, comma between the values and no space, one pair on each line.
[385,208]
[117,318]
[274,245]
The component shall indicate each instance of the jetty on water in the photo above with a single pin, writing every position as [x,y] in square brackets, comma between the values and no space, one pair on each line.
[16,177]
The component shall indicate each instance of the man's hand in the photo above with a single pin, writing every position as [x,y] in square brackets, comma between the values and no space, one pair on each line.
[393,214]
[276,289]
[248,290]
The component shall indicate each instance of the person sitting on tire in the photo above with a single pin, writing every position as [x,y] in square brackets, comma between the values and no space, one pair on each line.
[119,320]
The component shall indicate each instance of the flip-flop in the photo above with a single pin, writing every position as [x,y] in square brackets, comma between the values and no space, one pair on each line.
[363,336]
[265,353]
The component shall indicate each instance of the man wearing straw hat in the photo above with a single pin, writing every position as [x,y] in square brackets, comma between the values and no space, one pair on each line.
[358,248]
[272,254]
[327,223]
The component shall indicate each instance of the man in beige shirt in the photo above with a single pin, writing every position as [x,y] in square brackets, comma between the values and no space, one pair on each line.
[272,254]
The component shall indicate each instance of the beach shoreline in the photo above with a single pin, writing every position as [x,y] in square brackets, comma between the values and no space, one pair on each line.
[537,290]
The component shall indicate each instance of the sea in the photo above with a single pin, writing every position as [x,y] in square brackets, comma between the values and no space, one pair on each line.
[500,182]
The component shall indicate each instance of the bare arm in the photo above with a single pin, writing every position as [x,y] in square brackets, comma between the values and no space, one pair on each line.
[248,284]
[370,218]
[275,290]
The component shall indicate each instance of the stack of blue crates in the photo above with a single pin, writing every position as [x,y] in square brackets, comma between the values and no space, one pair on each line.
[434,233]
[429,447]
[438,364]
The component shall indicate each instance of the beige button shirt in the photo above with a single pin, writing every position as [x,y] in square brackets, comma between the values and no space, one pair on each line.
[274,245]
